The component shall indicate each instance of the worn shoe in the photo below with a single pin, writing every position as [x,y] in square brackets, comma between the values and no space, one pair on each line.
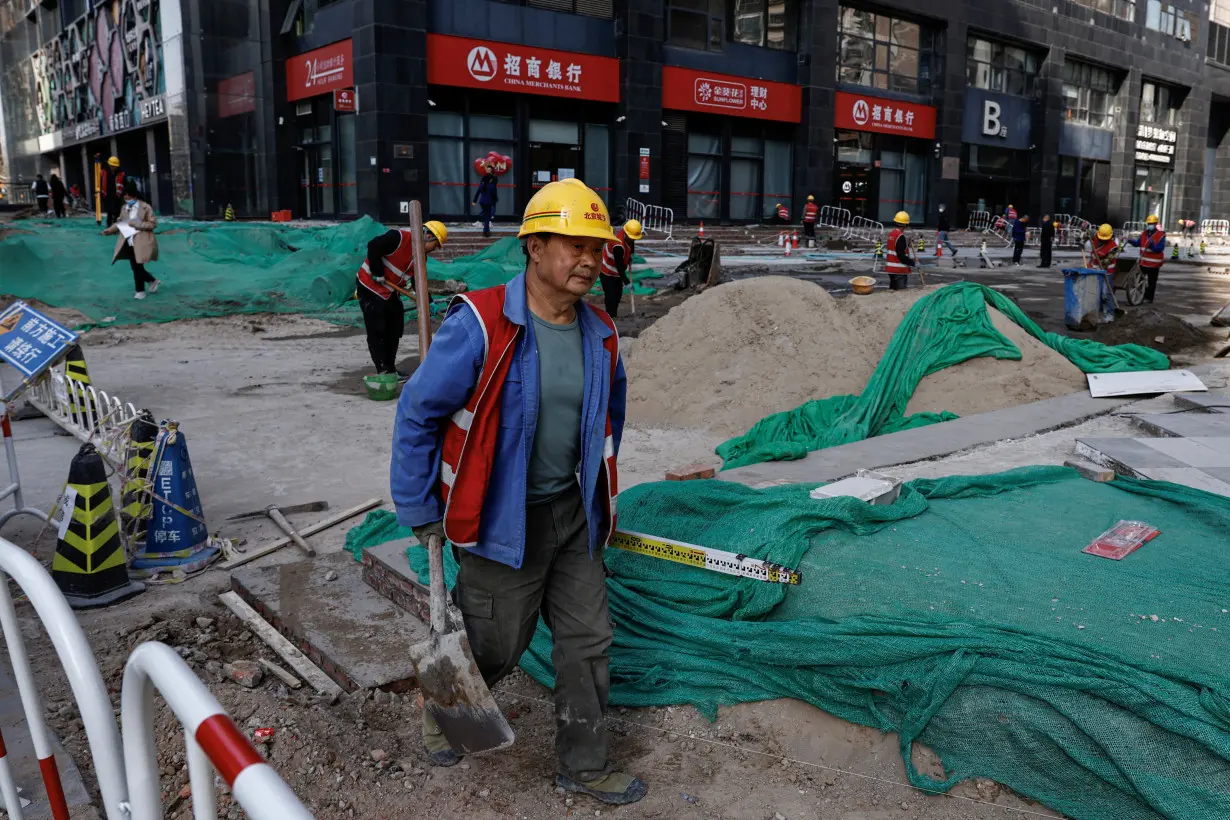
[153,286]
[436,745]
[139,295]
[955,251]
[402,376]
[616,788]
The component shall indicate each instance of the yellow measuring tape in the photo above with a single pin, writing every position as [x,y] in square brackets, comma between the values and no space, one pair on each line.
[716,560]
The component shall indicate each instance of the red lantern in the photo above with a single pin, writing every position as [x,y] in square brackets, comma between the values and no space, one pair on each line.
[500,164]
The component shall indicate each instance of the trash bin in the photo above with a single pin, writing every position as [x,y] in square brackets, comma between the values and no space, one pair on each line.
[1088,298]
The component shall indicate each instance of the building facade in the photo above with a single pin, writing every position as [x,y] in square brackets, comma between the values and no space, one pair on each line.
[718,109]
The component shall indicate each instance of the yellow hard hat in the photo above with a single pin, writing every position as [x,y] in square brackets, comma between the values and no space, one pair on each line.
[1151,219]
[811,198]
[568,208]
[438,230]
[633,230]
[902,218]
[114,162]
[1106,232]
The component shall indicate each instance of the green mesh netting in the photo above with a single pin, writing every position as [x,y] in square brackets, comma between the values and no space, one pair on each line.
[944,328]
[221,268]
[964,616]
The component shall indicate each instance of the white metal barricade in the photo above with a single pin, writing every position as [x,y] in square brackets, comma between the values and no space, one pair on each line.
[652,217]
[127,771]
[865,229]
[91,415]
[1215,227]
[979,221]
[833,216]
[1131,229]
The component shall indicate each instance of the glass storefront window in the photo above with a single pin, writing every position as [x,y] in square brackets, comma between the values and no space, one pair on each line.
[778,171]
[562,133]
[704,176]
[598,160]
[348,177]
[745,189]
[1151,193]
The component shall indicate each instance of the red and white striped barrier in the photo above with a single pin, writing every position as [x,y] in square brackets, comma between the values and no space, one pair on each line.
[214,743]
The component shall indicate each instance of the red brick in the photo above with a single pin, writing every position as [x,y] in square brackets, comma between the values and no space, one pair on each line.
[691,472]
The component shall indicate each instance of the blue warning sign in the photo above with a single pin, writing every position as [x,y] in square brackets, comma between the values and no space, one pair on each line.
[30,341]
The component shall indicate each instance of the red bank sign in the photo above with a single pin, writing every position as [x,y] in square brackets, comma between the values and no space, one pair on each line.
[486,64]
[686,90]
[237,95]
[320,71]
[858,112]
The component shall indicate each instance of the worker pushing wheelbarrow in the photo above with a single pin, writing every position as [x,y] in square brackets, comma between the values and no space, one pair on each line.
[1126,273]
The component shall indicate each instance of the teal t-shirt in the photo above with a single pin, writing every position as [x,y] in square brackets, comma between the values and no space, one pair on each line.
[556,451]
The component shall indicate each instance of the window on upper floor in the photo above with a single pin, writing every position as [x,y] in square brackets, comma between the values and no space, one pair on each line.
[1123,9]
[1219,44]
[696,23]
[885,52]
[767,23]
[994,66]
[1159,104]
[1087,94]
[589,8]
[1168,19]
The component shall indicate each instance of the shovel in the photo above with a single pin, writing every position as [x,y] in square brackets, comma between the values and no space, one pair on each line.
[454,692]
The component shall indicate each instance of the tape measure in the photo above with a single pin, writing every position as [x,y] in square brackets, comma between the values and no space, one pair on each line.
[712,559]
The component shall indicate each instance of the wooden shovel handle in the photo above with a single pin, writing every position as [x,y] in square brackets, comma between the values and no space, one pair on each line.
[435,566]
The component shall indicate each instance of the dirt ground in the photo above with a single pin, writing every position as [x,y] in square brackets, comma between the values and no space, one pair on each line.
[274,411]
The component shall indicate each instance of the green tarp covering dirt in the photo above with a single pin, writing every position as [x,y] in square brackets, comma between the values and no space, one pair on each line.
[964,616]
[219,268]
[943,329]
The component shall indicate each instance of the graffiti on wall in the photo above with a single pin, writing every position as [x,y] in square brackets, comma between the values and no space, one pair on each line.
[103,74]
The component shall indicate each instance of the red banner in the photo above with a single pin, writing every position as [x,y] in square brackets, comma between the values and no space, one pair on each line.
[485,64]
[686,90]
[860,112]
[345,100]
[644,167]
[320,71]
[237,95]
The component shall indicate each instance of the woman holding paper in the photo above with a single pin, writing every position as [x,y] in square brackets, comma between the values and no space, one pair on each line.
[137,243]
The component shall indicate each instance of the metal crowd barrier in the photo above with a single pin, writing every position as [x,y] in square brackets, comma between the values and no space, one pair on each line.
[979,221]
[1131,229]
[127,769]
[866,229]
[91,415]
[1215,227]
[652,217]
[832,216]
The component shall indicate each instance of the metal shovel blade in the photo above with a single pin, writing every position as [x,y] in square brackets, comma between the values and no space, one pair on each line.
[456,696]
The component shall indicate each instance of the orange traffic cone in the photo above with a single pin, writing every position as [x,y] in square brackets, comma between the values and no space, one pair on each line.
[794,239]
[787,248]
[939,247]
[701,234]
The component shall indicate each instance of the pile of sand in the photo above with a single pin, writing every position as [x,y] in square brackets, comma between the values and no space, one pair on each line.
[736,353]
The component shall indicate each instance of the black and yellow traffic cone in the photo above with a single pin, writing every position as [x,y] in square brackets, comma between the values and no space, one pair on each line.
[90,567]
[137,501]
[77,377]
[229,214]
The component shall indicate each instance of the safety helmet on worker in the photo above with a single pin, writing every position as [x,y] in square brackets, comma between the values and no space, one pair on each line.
[114,162]
[1106,232]
[567,208]
[1151,219]
[811,198]
[633,230]
[435,230]
[902,218]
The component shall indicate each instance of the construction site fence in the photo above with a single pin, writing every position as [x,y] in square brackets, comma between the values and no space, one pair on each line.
[979,221]
[1131,229]
[92,415]
[1215,227]
[865,229]
[126,766]
[833,216]
[652,217]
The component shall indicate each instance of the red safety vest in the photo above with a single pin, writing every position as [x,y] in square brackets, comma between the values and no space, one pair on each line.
[892,264]
[398,266]
[1102,250]
[783,213]
[1151,259]
[120,177]
[470,436]
[810,211]
[608,254]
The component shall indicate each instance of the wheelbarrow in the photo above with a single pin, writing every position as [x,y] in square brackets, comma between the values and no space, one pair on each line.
[1130,279]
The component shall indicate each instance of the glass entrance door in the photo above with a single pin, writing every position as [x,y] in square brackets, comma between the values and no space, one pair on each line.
[551,162]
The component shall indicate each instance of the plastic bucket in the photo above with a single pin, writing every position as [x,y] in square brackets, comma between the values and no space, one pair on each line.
[381,387]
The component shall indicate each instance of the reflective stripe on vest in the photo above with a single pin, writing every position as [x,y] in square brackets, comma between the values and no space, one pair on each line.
[892,264]
[810,210]
[608,254]
[783,213]
[398,266]
[1151,259]
[471,434]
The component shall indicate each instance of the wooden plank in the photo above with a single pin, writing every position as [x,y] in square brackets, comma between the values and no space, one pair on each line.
[309,671]
[281,674]
[319,526]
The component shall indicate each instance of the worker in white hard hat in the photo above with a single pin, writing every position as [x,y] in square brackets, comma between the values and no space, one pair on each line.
[898,263]
[505,444]
[616,259]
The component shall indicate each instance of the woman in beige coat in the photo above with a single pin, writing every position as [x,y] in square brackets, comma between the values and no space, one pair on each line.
[141,247]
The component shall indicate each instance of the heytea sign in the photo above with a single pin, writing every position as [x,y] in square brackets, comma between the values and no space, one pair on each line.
[1155,144]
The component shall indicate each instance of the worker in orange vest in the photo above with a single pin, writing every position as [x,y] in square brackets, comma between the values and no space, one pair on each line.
[1105,248]
[810,213]
[782,213]
[897,260]
[616,259]
[1152,244]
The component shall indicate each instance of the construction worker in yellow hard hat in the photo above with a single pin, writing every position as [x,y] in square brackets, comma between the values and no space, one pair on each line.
[898,260]
[811,211]
[386,273]
[111,181]
[781,213]
[616,260]
[505,443]
[1152,244]
[1105,249]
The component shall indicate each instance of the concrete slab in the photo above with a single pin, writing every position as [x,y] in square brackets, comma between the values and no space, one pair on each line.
[1213,402]
[386,570]
[24,762]
[1129,456]
[1193,452]
[357,636]
[934,441]
[1191,477]
[1185,425]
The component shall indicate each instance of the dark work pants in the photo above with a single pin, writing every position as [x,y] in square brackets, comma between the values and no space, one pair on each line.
[140,276]
[1151,287]
[1018,248]
[41,203]
[898,281]
[809,230]
[112,207]
[612,293]
[385,321]
[561,580]
[58,202]
[1045,260]
[488,212]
